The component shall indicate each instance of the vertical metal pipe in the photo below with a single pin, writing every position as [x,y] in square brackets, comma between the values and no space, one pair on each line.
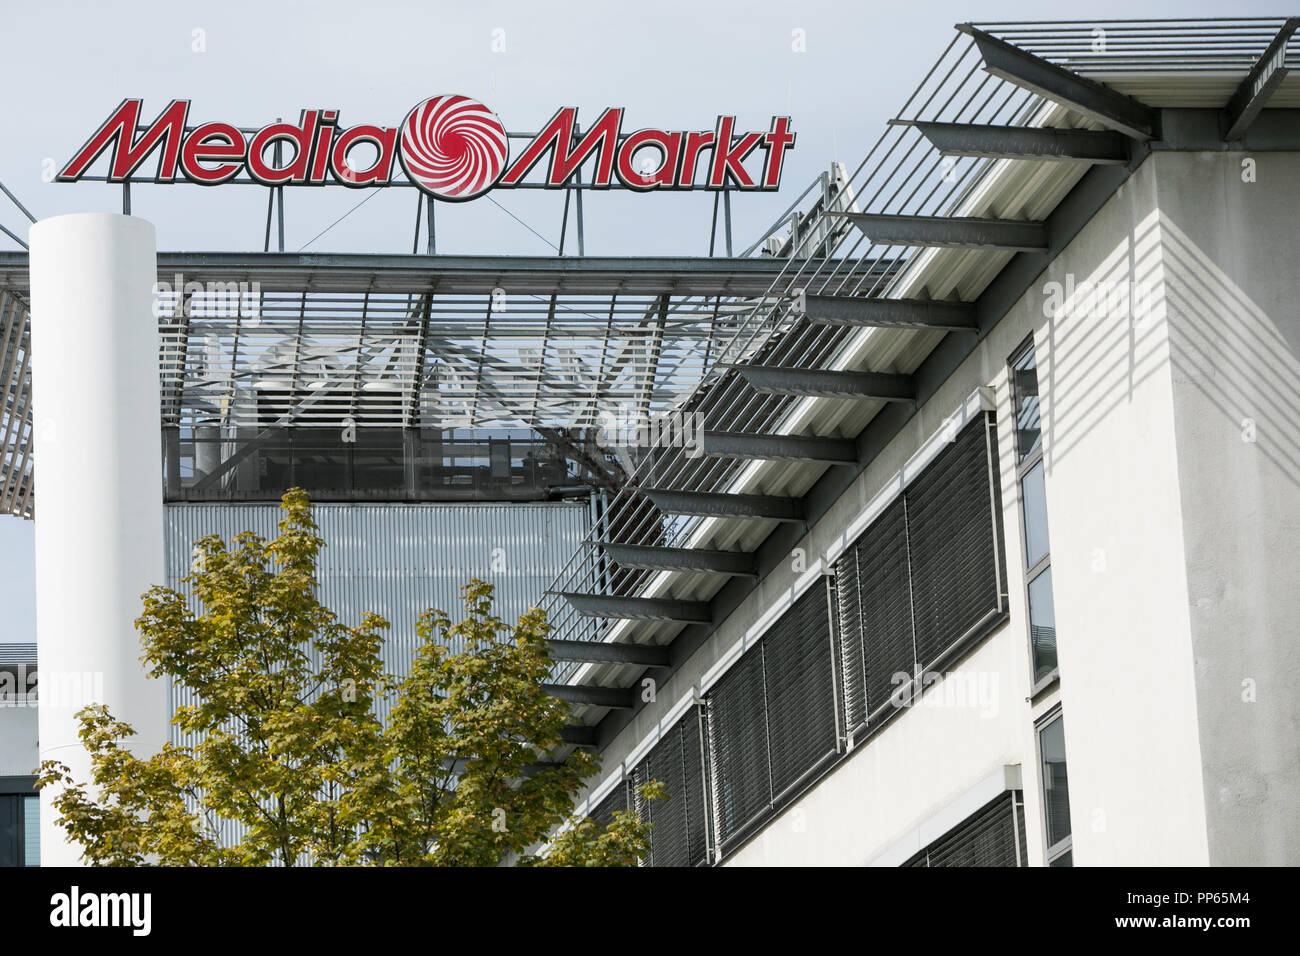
[270,207]
[582,248]
[713,229]
[726,202]
[419,208]
[433,236]
[564,221]
[280,189]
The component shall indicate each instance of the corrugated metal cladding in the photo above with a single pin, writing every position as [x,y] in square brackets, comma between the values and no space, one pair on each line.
[398,560]
[15,654]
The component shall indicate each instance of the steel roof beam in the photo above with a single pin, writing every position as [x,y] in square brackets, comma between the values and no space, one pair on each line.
[891,313]
[1027,142]
[777,447]
[646,557]
[713,505]
[604,652]
[618,698]
[580,735]
[323,273]
[952,232]
[1109,107]
[1257,88]
[818,383]
[639,608]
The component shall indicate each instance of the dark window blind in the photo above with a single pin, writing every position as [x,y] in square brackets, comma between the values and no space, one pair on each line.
[921,577]
[800,678]
[11,830]
[738,747]
[988,837]
[771,718]
[885,598]
[678,834]
[603,812]
[950,531]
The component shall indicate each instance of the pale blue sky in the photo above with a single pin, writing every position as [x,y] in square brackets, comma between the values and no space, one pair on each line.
[675,64]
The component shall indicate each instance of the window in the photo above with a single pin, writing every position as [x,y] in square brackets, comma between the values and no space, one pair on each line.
[31,831]
[770,720]
[993,836]
[924,580]
[20,828]
[1024,384]
[763,730]
[1056,790]
[1033,513]
[679,825]
[1042,625]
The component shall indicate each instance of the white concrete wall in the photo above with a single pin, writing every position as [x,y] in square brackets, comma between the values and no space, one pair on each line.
[1175,565]
[1229,254]
[1115,516]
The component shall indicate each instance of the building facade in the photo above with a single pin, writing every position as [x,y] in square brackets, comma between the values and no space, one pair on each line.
[1059,581]
[983,553]
[1106,670]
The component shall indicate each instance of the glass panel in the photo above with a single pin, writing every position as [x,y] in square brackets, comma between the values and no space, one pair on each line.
[1024,385]
[1063,860]
[1056,793]
[1042,625]
[1034,502]
[31,831]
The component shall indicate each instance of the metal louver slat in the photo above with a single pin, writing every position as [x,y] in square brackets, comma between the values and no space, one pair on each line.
[800,684]
[848,609]
[950,530]
[696,772]
[992,836]
[737,716]
[16,436]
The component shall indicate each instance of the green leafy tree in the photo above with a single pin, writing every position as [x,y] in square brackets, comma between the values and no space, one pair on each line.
[287,745]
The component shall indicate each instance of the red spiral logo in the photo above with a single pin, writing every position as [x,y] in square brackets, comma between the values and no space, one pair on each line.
[453,147]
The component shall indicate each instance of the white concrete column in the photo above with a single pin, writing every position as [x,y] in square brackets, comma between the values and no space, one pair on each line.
[99,528]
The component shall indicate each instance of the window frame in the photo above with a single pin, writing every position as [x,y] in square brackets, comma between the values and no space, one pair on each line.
[1052,852]
[22,790]
[1023,466]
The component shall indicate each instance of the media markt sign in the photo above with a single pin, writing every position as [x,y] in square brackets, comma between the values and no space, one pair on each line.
[452,147]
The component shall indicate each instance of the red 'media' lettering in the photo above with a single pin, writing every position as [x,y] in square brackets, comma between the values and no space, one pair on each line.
[129,152]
